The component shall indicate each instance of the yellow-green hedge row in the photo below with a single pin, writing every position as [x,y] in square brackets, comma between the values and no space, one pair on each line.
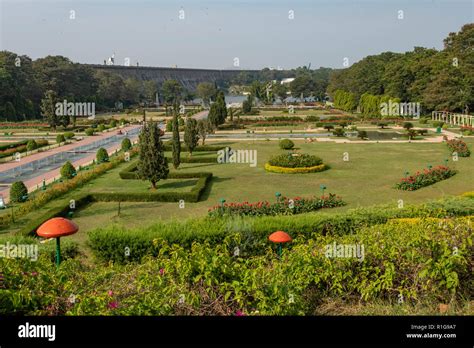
[283,170]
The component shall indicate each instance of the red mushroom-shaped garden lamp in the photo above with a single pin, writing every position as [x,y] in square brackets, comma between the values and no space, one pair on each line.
[279,237]
[56,228]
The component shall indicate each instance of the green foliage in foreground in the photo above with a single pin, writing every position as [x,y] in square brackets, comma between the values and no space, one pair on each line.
[416,261]
[108,243]
[18,192]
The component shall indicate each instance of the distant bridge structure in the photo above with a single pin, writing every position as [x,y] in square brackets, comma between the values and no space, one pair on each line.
[188,77]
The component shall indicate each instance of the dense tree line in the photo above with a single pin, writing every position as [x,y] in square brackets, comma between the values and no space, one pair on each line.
[442,80]
[25,83]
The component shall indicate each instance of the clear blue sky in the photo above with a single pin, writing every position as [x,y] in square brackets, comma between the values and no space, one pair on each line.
[213,33]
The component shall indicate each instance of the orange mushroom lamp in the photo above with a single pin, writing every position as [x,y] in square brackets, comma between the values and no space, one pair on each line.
[56,228]
[279,237]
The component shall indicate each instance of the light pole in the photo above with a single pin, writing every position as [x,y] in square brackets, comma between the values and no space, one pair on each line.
[278,195]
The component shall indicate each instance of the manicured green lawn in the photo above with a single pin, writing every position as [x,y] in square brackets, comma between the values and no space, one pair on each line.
[366,179]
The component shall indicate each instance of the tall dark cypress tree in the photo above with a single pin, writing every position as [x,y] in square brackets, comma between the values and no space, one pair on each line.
[191,136]
[152,164]
[222,108]
[176,140]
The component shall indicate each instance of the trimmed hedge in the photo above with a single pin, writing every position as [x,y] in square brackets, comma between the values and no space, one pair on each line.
[193,196]
[11,149]
[110,242]
[13,145]
[284,170]
[130,172]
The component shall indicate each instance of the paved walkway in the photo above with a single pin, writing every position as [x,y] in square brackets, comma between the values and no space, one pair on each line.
[49,176]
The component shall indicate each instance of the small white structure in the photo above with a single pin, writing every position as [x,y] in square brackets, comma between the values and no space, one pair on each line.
[235,105]
[111,60]
[452,118]
[287,80]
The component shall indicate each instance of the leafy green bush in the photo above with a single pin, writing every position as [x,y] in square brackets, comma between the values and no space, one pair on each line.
[31,145]
[338,132]
[102,155]
[169,126]
[412,259]
[108,242]
[295,160]
[18,192]
[362,134]
[286,144]
[68,171]
[126,144]
[60,138]
[90,131]
[113,123]
[100,127]
[69,135]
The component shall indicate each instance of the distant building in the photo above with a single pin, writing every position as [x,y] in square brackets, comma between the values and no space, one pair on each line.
[287,80]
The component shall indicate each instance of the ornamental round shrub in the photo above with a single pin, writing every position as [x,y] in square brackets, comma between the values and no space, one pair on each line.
[60,138]
[90,131]
[102,155]
[69,135]
[101,128]
[362,134]
[126,144]
[113,123]
[286,144]
[18,192]
[68,171]
[31,145]
[295,160]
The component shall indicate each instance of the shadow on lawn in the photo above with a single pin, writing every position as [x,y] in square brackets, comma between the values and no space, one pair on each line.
[208,189]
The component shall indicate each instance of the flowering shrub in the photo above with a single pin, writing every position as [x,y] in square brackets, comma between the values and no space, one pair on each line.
[459,146]
[425,178]
[416,261]
[22,125]
[285,206]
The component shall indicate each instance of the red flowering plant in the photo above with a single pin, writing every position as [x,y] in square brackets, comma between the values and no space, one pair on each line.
[285,206]
[459,146]
[425,178]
